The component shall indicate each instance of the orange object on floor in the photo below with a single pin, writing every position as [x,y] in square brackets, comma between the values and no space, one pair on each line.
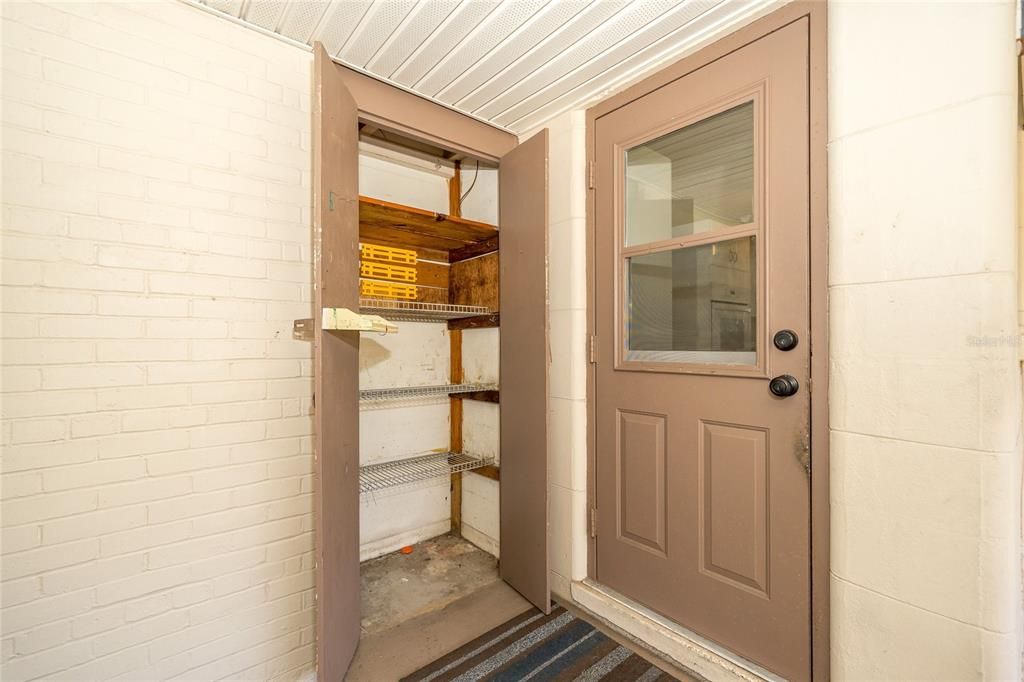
[406,550]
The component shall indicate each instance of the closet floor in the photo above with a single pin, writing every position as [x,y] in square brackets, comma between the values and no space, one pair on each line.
[399,587]
[391,654]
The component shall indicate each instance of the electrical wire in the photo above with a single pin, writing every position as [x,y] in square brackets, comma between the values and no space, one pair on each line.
[476,172]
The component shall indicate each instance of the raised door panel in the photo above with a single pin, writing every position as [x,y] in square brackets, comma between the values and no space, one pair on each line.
[642,512]
[733,506]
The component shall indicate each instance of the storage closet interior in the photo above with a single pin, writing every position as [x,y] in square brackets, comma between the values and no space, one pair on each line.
[429,418]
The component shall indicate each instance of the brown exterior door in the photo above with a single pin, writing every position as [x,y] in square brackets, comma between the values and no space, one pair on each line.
[701,259]
[523,192]
[336,368]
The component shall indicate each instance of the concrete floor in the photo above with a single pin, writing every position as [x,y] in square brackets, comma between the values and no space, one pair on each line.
[391,654]
[399,587]
[418,607]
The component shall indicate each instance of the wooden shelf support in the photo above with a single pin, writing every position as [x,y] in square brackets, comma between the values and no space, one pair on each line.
[489,245]
[488,471]
[475,322]
[488,396]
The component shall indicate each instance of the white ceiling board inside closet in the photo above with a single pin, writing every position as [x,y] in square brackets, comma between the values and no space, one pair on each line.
[513,63]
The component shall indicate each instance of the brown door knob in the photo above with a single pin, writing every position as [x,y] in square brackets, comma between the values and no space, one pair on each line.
[784,385]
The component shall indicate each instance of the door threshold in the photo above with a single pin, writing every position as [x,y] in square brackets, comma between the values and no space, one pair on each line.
[687,649]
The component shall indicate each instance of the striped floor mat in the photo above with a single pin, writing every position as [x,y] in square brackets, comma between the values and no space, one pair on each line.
[533,646]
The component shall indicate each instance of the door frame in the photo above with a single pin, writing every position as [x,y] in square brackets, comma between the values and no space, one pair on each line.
[818,99]
[407,113]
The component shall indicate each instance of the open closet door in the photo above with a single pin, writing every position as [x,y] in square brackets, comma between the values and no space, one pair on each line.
[336,367]
[523,221]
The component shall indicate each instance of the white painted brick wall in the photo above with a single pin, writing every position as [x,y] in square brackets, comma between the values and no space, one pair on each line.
[156,465]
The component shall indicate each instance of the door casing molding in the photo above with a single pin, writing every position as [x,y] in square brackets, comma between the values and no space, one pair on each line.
[818,99]
[410,114]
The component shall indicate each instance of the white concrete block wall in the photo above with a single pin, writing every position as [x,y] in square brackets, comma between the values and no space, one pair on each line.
[567,285]
[480,191]
[481,518]
[925,380]
[399,183]
[156,248]
[417,356]
[481,423]
[1020,299]
[1020,232]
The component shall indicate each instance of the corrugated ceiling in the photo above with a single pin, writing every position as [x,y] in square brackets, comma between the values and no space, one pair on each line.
[513,63]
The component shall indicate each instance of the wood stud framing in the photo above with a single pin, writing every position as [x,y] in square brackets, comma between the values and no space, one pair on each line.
[456,373]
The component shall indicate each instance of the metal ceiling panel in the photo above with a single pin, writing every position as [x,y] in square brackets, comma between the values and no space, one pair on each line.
[423,21]
[725,18]
[635,40]
[560,41]
[542,25]
[377,26]
[440,44]
[638,14]
[512,63]
[231,7]
[491,32]
[302,17]
[264,13]
[339,24]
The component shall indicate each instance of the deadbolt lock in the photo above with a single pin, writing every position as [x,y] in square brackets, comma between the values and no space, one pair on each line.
[785,339]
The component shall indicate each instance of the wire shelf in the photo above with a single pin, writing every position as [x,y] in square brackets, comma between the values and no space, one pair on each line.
[417,311]
[400,472]
[406,392]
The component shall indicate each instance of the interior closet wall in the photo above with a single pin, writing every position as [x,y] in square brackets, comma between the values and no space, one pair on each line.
[480,437]
[481,196]
[417,356]
[481,423]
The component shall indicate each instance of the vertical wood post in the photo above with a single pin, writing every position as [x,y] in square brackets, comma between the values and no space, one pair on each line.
[455,373]
[455,192]
[455,338]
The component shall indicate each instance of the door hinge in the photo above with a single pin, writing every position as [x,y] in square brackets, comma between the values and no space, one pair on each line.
[592,352]
[804,452]
[590,175]
[593,522]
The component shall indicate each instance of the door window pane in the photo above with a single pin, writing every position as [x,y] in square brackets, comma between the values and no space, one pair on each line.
[693,305]
[692,180]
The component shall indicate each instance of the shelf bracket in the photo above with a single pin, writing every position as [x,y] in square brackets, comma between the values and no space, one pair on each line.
[302,330]
[343,319]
